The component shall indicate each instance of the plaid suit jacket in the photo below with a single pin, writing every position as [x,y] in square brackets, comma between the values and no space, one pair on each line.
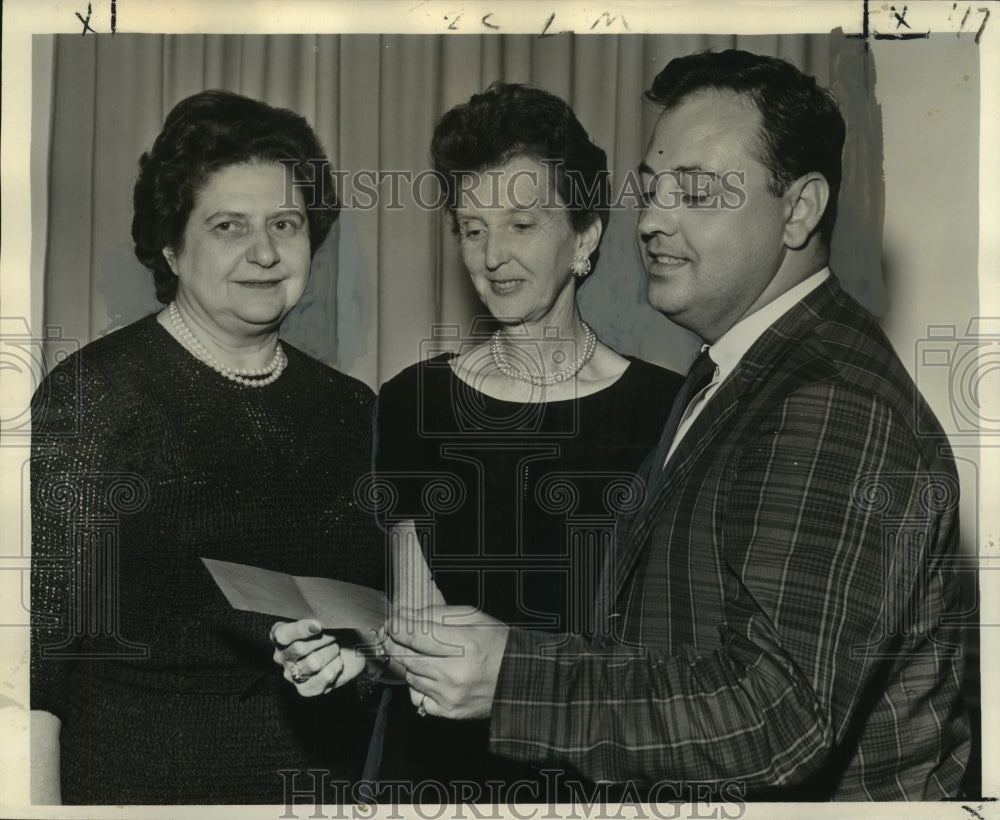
[785,609]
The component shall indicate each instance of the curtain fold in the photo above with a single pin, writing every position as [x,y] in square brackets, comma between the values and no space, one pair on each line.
[390,270]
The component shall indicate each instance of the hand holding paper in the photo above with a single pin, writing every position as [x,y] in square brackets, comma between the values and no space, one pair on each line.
[312,660]
[334,604]
[452,658]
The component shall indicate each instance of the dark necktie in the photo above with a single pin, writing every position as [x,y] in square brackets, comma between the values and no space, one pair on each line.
[698,377]
[700,374]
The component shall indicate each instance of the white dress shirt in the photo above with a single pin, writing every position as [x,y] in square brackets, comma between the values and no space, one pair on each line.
[735,342]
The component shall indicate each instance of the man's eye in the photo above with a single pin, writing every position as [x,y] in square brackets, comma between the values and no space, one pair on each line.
[228,226]
[523,226]
[696,198]
[471,233]
[285,226]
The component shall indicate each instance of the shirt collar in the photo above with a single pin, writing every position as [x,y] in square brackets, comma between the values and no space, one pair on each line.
[735,342]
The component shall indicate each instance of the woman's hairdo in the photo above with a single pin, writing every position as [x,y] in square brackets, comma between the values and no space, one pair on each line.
[508,120]
[203,134]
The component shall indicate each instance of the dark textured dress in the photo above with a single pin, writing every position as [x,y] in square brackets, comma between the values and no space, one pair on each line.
[515,503]
[144,460]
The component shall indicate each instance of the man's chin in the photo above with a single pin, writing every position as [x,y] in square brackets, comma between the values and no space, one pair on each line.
[663,298]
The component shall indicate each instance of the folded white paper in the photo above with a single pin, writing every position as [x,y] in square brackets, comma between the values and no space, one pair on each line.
[335,604]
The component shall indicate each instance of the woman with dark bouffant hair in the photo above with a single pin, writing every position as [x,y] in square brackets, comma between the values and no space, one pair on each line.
[517,451]
[195,432]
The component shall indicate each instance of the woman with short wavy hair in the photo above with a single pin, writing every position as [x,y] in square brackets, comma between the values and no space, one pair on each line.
[226,443]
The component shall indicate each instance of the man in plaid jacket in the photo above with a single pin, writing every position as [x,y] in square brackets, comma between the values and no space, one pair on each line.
[779,612]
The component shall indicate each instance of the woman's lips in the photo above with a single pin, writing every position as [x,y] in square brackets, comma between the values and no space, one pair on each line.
[505,287]
[259,283]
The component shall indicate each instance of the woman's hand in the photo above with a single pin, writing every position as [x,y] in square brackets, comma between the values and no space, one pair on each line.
[312,660]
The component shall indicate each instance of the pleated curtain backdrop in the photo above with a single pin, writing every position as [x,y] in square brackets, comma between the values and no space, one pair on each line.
[386,275]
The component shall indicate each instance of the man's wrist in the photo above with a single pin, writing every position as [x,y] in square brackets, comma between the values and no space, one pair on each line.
[376,661]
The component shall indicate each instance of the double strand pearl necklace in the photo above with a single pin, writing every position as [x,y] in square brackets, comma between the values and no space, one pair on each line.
[504,365]
[248,378]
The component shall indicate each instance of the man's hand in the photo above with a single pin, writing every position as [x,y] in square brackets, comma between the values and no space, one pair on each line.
[452,658]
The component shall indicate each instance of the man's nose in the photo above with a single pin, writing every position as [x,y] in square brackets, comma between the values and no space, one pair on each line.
[656,218]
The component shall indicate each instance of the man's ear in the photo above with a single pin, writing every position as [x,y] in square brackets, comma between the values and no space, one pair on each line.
[171,257]
[806,200]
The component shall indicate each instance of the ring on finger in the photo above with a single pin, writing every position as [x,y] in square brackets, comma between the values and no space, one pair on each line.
[421,711]
[296,674]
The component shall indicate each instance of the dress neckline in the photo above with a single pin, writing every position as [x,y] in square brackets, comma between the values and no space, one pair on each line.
[187,355]
[448,358]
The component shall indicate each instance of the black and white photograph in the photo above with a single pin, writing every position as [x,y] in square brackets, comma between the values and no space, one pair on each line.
[499,409]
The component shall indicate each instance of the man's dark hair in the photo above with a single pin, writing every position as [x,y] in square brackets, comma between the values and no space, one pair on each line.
[802,129]
[203,134]
[510,119]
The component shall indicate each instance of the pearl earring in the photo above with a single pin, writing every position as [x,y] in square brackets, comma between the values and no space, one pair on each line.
[580,266]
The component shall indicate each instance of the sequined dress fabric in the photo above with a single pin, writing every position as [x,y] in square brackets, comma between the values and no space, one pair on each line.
[144,460]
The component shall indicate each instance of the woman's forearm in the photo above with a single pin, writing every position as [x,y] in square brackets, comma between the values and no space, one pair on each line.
[45,788]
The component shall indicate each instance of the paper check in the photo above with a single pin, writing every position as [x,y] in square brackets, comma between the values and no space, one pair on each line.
[335,604]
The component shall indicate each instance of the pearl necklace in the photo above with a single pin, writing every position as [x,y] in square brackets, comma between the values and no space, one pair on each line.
[248,378]
[504,365]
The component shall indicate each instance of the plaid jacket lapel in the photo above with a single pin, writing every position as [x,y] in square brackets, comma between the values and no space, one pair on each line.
[756,367]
